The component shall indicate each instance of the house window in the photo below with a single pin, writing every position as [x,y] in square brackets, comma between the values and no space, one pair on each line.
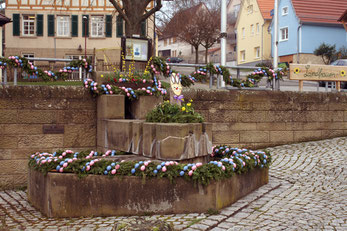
[284,34]
[252,30]
[97,25]
[243,55]
[257,52]
[243,32]
[29,25]
[285,10]
[257,28]
[250,9]
[63,26]
[29,56]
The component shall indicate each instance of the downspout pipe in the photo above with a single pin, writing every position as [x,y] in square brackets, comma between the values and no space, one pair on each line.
[298,44]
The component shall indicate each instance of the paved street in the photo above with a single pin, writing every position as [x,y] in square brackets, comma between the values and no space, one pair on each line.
[307,191]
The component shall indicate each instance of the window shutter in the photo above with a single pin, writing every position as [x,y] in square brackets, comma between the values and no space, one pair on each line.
[50,29]
[74,25]
[39,25]
[143,29]
[119,26]
[85,25]
[108,25]
[16,24]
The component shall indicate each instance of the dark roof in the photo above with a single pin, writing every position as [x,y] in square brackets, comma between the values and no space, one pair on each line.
[343,17]
[319,11]
[4,20]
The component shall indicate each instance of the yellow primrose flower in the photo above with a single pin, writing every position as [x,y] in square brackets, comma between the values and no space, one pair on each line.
[183,108]
[343,73]
[102,76]
[189,104]
[191,100]
[296,71]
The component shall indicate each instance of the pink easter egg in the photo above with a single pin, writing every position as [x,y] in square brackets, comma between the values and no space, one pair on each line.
[128,94]
[74,159]
[60,157]
[64,154]
[193,168]
[49,160]
[65,165]
[164,169]
[144,81]
[87,157]
[61,169]
[223,168]
[146,164]
[91,163]
[70,161]
[143,168]
[117,166]
[113,171]
[190,173]
[88,168]
[111,92]
[44,161]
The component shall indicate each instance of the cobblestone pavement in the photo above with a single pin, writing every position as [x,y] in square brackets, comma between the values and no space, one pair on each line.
[307,191]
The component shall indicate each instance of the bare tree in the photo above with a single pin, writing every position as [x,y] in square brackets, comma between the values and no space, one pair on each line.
[134,12]
[211,30]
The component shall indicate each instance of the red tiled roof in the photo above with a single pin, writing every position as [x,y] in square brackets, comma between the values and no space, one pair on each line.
[265,7]
[319,11]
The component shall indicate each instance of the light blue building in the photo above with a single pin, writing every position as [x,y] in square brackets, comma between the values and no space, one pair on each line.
[305,25]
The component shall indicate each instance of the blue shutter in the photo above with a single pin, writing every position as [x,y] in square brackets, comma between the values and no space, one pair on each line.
[108,25]
[74,25]
[50,24]
[119,26]
[39,25]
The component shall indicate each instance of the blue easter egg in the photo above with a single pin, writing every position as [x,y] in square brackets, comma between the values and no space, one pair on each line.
[96,153]
[155,171]
[133,171]
[105,172]
[113,164]
[57,168]
[61,163]
[185,168]
[181,173]
[264,161]
[158,167]
[108,168]
[83,169]
[137,165]
[162,163]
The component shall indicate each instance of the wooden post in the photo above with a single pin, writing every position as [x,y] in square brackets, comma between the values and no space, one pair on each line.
[338,85]
[172,99]
[301,85]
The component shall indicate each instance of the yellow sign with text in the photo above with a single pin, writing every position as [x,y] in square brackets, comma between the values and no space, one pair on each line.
[313,72]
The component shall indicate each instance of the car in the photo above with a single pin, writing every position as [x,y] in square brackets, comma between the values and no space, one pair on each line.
[339,62]
[174,60]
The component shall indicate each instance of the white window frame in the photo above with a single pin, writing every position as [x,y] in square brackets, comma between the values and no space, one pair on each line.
[257,28]
[252,29]
[29,55]
[250,9]
[30,20]
[280,35]
[97,26]
[257,52]
[243,55]
[63,26]
[243,32]
[285,10]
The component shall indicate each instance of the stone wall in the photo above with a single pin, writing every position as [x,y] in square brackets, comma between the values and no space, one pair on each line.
[25,111]
[258,119]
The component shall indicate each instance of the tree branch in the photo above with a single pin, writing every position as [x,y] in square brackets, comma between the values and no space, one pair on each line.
[120,10]
[152,11]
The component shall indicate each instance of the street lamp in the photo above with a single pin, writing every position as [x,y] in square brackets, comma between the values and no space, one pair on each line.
[85,36]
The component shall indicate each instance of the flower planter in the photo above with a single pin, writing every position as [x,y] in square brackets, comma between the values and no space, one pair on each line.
[66,195]
[138,109]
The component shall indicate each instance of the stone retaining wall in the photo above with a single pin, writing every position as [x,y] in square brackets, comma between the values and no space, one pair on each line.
[26,111]
[258,119]
[253,119]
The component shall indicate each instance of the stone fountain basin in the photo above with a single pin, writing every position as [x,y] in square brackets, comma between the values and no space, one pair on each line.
[66,195]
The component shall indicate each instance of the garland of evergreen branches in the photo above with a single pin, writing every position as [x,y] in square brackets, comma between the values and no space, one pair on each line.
[225,162]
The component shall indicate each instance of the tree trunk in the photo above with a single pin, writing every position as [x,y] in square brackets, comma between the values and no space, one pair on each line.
[134,28]
[197,55]
[206,54]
